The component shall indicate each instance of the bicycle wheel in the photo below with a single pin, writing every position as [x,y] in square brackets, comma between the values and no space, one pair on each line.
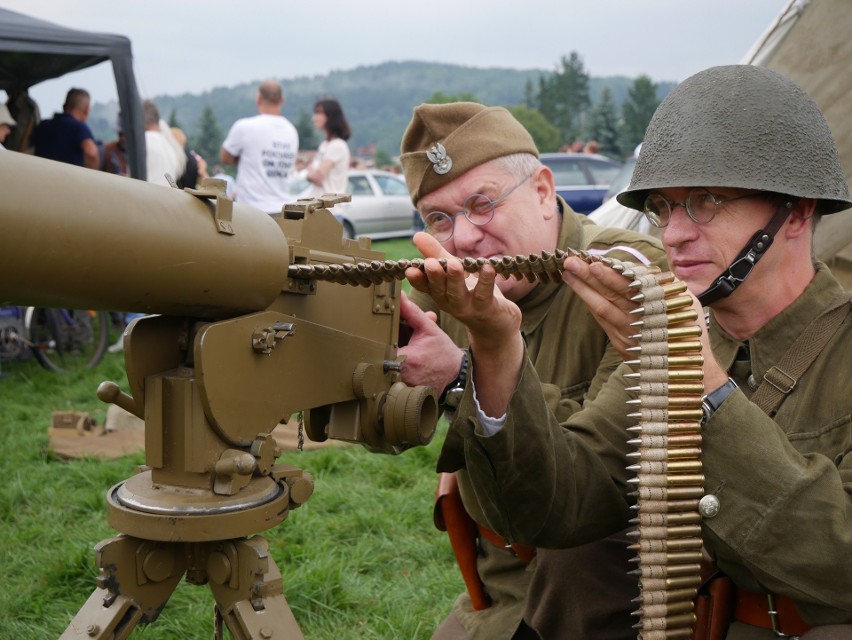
[67,340]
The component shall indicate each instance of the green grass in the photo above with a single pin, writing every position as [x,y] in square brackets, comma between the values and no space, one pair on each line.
[396,249]
[361,559]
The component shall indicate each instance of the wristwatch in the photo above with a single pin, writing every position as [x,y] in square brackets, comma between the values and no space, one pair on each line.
[452,395]
[714,400]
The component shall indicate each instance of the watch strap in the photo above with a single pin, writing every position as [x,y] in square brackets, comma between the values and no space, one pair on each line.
[714,399]
[459,382]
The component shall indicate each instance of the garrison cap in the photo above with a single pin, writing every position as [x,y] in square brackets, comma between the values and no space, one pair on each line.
[443,141]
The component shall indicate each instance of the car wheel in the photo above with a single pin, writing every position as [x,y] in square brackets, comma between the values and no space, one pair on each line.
[348,231]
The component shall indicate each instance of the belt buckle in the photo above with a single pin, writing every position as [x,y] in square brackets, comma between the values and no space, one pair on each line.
[773,618]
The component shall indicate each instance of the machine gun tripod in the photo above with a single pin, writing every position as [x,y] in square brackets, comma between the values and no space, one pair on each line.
[171,531]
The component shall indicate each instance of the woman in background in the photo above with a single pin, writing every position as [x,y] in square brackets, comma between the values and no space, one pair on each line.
[329,169]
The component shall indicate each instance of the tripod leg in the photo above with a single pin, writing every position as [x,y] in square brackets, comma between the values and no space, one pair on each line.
[136,579]
[246,584]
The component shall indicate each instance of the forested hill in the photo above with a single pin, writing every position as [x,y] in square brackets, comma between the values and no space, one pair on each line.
[378,100]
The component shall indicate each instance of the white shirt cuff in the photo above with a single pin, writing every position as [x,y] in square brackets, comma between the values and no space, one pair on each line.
[490,425]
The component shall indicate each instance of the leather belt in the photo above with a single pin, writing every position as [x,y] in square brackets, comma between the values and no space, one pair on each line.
[525,554]
[769,611]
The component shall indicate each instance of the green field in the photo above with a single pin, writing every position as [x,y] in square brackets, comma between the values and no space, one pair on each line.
[361,559]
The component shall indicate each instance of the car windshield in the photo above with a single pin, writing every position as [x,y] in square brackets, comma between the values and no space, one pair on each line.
[567,172]
[392,185]
[604,172]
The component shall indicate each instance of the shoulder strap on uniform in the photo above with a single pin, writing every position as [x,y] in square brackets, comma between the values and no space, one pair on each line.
[780,379]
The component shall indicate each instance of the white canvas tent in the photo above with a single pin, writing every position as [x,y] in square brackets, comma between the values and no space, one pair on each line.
[809,41]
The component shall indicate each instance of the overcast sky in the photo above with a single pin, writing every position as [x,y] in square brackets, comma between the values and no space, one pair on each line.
[193,46]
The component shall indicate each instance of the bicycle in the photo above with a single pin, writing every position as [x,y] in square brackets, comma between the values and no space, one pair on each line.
[61,340]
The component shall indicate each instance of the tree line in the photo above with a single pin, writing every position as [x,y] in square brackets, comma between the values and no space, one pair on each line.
[559,111]
[557,107]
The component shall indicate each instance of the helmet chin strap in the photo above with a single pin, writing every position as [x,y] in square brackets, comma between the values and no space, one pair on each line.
[746,260]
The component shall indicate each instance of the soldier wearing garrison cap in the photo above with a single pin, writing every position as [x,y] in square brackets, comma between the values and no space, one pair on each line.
[737,167]
[474,175]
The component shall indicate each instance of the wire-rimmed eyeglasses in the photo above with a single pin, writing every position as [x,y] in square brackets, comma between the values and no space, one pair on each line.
[701,206]
[478,209]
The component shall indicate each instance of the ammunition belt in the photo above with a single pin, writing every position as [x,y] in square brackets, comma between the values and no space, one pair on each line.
[667,461]
[667,465]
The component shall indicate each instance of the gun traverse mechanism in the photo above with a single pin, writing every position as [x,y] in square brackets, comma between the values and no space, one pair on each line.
[234,345]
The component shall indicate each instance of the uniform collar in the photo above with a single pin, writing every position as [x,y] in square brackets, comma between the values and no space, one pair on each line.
[769,344]
[537,302]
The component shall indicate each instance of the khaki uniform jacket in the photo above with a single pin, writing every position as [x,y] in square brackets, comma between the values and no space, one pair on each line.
[785,484]
[572,358]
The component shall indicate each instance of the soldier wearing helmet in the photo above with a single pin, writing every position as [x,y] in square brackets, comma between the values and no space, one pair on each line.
[737,166]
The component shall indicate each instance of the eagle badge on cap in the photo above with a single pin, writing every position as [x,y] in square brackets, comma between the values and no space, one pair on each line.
[441,162]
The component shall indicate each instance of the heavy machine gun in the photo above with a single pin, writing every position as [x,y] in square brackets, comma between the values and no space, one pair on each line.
[233,346]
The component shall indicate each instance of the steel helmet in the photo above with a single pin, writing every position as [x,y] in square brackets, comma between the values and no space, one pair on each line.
[740,126]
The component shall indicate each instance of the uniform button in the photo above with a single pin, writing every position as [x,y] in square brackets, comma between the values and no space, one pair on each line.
[752,383]
[709,506]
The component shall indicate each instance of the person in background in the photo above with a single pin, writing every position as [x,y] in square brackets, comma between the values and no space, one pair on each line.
[66,137]
[26,113]
[115,152]
[219,173]
[6,124]
[474,175]
[592,146]
[163,154]
[329,170]
[264,149]
[196,166]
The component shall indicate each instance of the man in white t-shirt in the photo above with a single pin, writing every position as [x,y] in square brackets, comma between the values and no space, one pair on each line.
[264,149]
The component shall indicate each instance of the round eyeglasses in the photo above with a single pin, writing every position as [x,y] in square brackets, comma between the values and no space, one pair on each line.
[478,209]
[701,206]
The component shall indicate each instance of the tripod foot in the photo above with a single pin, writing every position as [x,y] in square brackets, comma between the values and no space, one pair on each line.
[248,589]
[136,579]
[95,620]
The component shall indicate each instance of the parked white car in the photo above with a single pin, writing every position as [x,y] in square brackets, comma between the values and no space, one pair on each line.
[380,207]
